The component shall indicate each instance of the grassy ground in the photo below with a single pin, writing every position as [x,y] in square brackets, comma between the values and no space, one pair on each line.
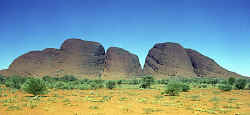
[126,100]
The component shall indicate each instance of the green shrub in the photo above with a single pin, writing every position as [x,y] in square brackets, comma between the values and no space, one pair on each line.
[119,82]
[213,81]
[185,88]
[134,82]
[35,86]
[144,85]
[223,81]
[147,81]
[49,85]
[248,87]
[203,86]
[173,88]
[225,87]
[98,81]
[93,85]
[15,82]
[240,83]
[84,87]
[60,85]
[68,78]
[2,79]
[66,85]
[99,85]
[231,80]
[162,81]
[49,79]
[85,80]
[110,84]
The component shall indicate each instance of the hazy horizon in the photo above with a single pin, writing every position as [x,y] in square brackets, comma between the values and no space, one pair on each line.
[217,29]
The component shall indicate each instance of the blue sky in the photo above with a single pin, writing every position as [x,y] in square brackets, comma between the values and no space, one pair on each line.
[219,29]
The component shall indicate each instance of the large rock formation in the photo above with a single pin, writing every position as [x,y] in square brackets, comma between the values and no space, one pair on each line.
[86,59]
[168,59]
[206,67]
[171,59]
[121,64]
[75,57]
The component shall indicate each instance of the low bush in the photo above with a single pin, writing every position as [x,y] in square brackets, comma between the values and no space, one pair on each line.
[35,86]
[147,81]
[134,82]
[84,87]
[173,88]
[110,84]
[248,87]
[224,81]
[93,85]
[50,85]
[2,79]
[100,85]
[231,80]
[49,79]
[15,82]
[163,81]
[144,86]
[185,88]
[119,82]
[203,86]
[225,87]
[240,83]
[60,85]
[84,80]
[213,81]
[68,78]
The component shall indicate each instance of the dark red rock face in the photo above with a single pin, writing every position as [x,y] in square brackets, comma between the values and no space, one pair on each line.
[121,64]
[206,67]
[168,59]
[75,57]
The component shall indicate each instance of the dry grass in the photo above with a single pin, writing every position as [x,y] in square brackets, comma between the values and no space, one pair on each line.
[126,102]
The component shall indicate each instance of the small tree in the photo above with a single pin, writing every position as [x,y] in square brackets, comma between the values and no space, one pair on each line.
[15,82]
[185,88]
[173,88]
[35,86]
[68,78]
[93,85]
[2,79]
[147,82]
[225,87]
[60,85]
[110,84]
[241,83]
[119,82]
[231,80]
[214,81]
[248,87]
[49,79]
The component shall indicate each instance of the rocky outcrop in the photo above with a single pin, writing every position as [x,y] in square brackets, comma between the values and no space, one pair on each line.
[75,57]
[207,67]
[86,59]
[121,64]
[168,59]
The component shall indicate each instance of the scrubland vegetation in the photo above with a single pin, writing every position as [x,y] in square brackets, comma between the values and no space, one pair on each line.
[193,95]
